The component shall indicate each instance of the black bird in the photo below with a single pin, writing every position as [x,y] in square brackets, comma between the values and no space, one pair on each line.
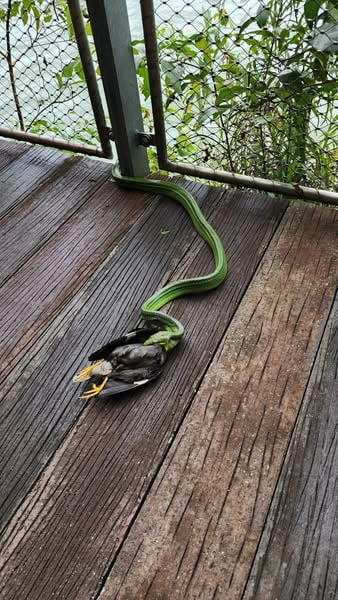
[122,364]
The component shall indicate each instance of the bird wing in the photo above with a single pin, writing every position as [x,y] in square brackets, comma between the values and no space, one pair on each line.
[133,337]
[129,379]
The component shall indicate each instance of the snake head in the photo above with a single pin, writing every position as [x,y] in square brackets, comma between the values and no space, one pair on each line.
[164,338]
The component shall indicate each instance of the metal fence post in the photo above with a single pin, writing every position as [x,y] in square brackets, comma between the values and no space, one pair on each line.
[110,26]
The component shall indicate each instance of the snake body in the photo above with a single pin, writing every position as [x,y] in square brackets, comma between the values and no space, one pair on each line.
[170,330]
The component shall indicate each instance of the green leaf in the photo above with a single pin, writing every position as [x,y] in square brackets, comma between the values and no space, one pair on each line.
[232,68]
[311,9]
[245,25]
[290,78]
[173,75]
[24,17]
[40,126]
[332,11]
[223,17]
[304,99]
[319,66]
[59,80]
[67,70]
[69,22]
[188,50]
[78,68]
[37,15]
[201,42]
[15,9]
[228,92]
[329,86]
[262,15]
[145,85]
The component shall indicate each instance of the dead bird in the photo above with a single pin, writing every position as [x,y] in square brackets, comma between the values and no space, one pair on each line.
[123,364]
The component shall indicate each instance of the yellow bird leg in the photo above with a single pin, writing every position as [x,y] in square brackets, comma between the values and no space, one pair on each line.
[95,390]
[87,372]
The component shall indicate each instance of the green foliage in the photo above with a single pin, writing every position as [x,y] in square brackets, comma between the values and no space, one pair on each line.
[45,84]
[258,98]
[36,10]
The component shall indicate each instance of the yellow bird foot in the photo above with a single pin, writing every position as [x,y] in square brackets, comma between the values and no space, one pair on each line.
[94,390]
[87,372]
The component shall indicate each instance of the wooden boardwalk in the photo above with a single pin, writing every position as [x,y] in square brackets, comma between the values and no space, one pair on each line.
[217,481]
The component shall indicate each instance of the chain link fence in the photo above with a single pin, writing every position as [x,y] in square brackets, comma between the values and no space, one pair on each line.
[46,89]
[247,88]
[251,88]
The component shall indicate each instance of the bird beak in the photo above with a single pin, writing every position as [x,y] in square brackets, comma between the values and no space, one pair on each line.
[87,372]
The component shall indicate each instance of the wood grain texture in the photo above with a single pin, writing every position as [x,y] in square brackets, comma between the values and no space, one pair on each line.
[39,401]
[28,226]
[67,533]
[31,168]
[297,556]
[51,277]
[197,532]
[10,151]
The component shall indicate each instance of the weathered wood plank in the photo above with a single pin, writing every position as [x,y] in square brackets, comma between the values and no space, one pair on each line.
[197,532]
[91,491]
[33,221]
[39,401]
[297,556]
[36,293]
[9,151]
[27,173]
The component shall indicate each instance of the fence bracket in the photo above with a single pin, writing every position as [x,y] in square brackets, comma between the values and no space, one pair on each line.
[145,139]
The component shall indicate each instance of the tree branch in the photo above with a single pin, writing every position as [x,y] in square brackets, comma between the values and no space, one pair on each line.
[11,67]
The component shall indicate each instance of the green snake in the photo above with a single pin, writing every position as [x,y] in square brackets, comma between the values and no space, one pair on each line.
[170,330]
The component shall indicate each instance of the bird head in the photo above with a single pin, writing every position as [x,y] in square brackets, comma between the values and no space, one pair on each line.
[100,368]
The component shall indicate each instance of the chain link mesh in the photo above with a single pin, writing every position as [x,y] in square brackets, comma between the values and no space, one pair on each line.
[42,83]
[252,88]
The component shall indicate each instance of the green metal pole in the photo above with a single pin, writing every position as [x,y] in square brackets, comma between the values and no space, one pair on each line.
[110,26]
